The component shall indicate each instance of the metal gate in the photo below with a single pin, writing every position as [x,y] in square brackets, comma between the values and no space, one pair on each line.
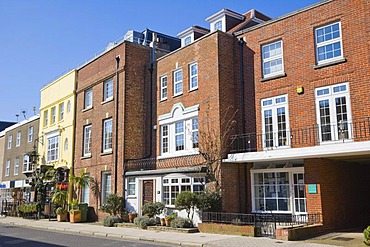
[265,225]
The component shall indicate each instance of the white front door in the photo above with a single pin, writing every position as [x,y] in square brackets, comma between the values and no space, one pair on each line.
[299,194]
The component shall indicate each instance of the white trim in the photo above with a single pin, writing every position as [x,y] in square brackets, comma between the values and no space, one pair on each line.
[176,82]
[329,42]
[161,80]
[273,58]
[222,13]
[335,150]
[191,111]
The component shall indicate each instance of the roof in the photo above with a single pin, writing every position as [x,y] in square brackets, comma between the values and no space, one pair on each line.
[4,125]
[26,121]
[252,18]
[241,31]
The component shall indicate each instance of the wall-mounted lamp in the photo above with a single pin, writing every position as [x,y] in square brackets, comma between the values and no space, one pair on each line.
[300,90]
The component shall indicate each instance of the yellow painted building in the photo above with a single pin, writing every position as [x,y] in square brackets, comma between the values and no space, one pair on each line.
[56,132]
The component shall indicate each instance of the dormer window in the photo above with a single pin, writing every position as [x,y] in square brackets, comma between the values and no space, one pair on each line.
[224,20]
[191,34]
[218,26]
[187,40]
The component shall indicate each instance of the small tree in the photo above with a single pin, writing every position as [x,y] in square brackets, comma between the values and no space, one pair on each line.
[79,183]
[153,208]
[187,200]
[210,201]
[367,236]
[214,143]
[114,205]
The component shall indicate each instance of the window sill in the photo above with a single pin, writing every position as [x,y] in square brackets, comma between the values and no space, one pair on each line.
[163,100]
[86,109]
[273,77]
[86,157]
[177,95]
[193,89]
[106,152]
[131,197]
[179,154]
[323,65]
[107,101]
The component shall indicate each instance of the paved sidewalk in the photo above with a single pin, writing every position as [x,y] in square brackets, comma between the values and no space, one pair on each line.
[173,238]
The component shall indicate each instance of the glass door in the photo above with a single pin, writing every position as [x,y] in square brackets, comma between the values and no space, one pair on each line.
[299,191]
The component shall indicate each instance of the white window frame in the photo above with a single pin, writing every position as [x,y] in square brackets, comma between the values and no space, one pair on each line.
[108,90]
[87,140]
[86,192]
[46,118]
[107,135]
[177,80]
[164,139]
[164,87]
[187,40]
[178,114]
[279,138]
[218,25]
[61,111]
[53,115]
[180,181]
[272,54]
[291,205]
[193,76]
[106,188]
[10,141]
[329,94]
[30,133]
[194,132]
[88,98]
[319,43]
[131,186]
[26,163]
[16,166]
[18,141]
[7,168]
[52,149]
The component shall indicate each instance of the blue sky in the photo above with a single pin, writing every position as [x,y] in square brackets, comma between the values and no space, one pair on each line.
[42,39]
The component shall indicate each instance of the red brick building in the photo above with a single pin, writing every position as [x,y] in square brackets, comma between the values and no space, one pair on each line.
[198,91]
[310,153]
[114,109]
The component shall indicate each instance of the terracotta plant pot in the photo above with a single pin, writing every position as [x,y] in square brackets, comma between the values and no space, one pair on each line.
[163,222]
[62,217]
[75,216]
[131,217]
[168,221]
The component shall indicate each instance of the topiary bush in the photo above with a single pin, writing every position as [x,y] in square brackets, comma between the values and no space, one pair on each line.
[114,205]
[181,223]
[153,208]
[109,220]
[186,200]
[144,221]
[210,201]
[367,236]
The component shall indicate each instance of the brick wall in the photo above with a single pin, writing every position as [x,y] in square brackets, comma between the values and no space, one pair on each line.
[297,34]
[341,192]
[133,108]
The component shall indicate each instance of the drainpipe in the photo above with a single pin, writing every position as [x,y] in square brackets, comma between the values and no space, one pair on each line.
[72,171]
[116,141]
[241,43]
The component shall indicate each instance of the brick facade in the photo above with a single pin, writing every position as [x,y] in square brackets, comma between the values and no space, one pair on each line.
[133,107]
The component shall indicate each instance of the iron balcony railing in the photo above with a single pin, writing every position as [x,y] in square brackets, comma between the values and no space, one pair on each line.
[303,137]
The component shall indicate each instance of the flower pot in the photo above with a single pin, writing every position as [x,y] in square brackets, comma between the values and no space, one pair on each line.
[75,216]
[62,217]
[163,222]
[131,217]
[168,221]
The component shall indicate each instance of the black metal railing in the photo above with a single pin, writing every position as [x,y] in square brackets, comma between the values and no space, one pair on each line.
[251,219]
[302,137]
[140,164]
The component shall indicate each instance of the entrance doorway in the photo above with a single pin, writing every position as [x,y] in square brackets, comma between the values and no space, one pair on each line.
[148,191]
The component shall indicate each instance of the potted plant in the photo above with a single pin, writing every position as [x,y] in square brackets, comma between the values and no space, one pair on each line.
[163,221]
[60,199]
[132,216]
[169,218]
[74,212]
[62,214]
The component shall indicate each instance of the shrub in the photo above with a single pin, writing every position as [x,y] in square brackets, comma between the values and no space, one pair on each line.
[153,208]
[367,236]
[109,220]
[113,205]
[181,223]
[210,201]
[186,200]
[144,221]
